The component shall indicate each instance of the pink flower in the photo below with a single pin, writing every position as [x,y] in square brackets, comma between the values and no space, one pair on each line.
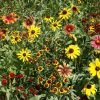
[96,42]
[64,70]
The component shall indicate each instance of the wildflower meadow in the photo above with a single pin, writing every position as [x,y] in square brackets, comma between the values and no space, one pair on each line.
[49,49]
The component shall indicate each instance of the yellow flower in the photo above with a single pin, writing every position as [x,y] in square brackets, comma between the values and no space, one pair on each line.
[73,51]
[97,51]
[89,89]
[94,68]
[75,8]
[15,38]
[33,32]
[40,69]
[65,13]
[48,19]
[58,84]
[55,25]
[91,29]
[24,55]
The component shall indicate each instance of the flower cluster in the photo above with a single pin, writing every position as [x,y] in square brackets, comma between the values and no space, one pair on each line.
[53,51]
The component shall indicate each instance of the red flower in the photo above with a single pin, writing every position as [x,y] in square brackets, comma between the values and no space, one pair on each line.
[4,82]
[10,18]
[24,95]
[20,76]
[69,28]
[12,75]
[33,91]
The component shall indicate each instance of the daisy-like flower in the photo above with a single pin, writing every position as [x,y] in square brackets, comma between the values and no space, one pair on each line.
[10,18]
[94,68]
[24,54]
[28,22]
[73,51]
[48,19]
[65,13]
[33,32]
[95,42]
[64,70]
[15,38]
[75,8]
[40,69]
[55,25]
[69,28]
[89,89]
[91,28]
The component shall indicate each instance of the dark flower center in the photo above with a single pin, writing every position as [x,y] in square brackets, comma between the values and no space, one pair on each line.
[24,54]
[47,16]
[55,25]
[74,9]
[97,68]
[64,12]
[16,38]
[71,50]
[88,86]
[98,42]
[32,31]
[28,22]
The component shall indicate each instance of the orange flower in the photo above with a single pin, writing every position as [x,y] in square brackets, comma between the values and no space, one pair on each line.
[10,18]
[28,22]
[64,70]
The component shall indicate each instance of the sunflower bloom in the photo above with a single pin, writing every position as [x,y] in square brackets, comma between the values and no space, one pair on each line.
[73,51]
[24,55]
[94,68]
[65,13]
[89,89]
[55,25]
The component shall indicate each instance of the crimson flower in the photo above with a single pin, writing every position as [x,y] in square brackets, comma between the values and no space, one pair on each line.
[69,28]
[4,82]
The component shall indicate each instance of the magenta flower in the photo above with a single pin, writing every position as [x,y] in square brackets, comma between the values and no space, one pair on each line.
[96,42]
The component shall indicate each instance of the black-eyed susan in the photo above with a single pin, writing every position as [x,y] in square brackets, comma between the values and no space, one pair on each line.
[94,68]
[15,38]
[75,8]
[65,13]
[33,32]
[40,69]
[48,19]
[24,54]
[55,25]
[89,89]
[72,51]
